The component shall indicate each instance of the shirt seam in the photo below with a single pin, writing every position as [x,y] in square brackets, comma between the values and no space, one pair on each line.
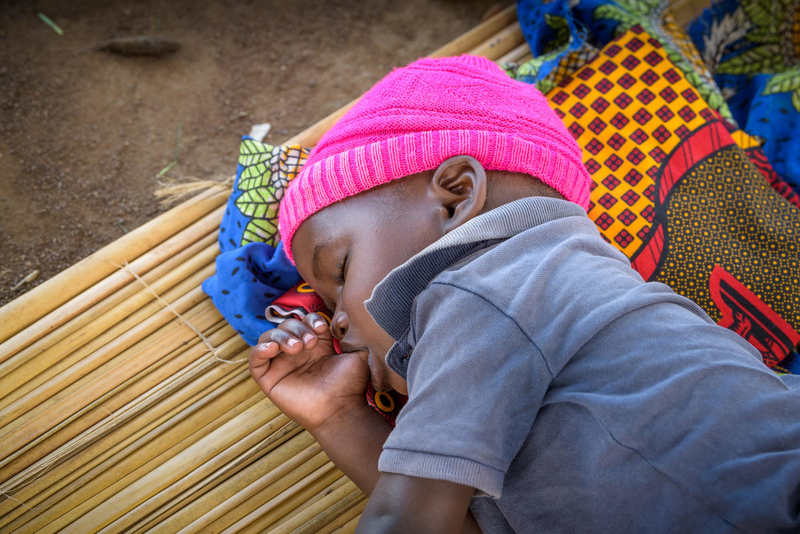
[664,474]
[507,316]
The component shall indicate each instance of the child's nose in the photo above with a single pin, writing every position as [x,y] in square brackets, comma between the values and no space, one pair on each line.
[339,325]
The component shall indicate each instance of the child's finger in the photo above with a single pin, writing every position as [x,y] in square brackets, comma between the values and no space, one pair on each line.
[286,341]
[266,337]
[300,331]
[263,352]
[266,365]
[316,322]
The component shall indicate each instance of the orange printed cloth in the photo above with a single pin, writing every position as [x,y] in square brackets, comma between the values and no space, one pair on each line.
[675,192]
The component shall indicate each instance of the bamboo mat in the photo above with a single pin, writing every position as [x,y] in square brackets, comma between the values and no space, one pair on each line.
[120,411]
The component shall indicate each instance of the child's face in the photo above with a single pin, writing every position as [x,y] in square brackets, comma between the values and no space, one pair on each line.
[346,249]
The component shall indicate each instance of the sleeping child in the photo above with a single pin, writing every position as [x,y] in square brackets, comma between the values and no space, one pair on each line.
[550,389]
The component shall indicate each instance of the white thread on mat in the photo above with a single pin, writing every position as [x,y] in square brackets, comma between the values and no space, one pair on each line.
[7,496]
[214,350]
[109,412]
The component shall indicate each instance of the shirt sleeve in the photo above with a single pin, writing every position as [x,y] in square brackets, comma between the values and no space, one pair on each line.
[476,382]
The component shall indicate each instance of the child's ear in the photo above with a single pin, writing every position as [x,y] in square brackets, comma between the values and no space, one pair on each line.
[459,187]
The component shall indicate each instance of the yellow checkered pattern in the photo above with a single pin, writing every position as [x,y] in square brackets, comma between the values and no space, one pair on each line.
[598,76]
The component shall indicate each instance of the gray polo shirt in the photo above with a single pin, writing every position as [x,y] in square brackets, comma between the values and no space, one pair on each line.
[543,371]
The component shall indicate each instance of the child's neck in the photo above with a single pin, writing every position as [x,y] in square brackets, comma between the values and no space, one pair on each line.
[505,187]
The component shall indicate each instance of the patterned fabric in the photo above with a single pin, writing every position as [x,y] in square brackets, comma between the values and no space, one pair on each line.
[752,48]
[685,46]
[296,303]
[675,193]
[567,64]
[752,147]
[628,109]
[554,28]
[252,269]
[263,175]
[559,44]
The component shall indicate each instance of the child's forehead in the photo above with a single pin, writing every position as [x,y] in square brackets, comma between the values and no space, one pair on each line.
[341,224]
[318,238]
[367,203]
[360,218]
[365,207]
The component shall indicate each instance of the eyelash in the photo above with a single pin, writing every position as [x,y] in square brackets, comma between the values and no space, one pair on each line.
[343,268]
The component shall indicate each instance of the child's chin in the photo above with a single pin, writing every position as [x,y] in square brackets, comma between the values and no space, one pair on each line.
[376,375]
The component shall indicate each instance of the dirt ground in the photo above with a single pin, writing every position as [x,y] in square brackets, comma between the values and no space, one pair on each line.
[84,133]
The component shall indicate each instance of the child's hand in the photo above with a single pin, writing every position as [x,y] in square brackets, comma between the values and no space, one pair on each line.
[296,366]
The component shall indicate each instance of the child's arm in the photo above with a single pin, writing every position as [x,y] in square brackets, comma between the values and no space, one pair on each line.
[296,367]
[402,503]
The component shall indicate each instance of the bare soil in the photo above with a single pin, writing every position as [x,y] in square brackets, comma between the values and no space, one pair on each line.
[84,133]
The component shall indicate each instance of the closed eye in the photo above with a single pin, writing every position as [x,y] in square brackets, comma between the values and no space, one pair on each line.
[342,269]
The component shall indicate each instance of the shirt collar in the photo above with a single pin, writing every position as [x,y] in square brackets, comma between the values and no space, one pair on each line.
[392,299]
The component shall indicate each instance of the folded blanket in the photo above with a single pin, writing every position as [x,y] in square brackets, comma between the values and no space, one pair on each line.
[252,269]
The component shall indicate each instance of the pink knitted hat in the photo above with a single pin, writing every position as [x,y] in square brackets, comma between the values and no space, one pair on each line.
[419,116]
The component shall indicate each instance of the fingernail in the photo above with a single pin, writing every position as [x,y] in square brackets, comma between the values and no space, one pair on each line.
[292,342]
[319,323]
[307,338]
[265,346]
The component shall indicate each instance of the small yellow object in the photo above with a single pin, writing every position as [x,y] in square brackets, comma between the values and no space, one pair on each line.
[30,277]
[384,401]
